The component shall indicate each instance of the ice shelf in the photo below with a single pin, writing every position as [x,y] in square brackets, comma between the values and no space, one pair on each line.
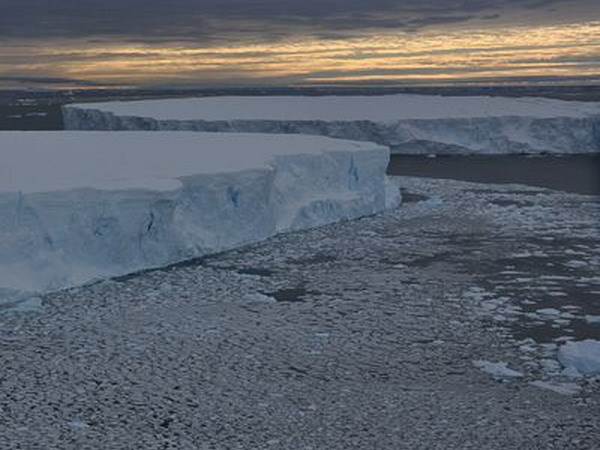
[80,206]
[412,124]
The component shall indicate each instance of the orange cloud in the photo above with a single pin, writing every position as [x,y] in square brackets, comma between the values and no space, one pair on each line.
[561,50]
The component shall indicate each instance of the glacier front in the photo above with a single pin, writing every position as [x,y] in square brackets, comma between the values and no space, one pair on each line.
[80,206]
[409,124]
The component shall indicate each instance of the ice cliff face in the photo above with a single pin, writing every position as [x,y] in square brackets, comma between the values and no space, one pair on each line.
[75,207]
[407,124]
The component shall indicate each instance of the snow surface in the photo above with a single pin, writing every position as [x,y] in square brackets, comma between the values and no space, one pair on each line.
[581,357]
[412,124]
[386,108]
[78,206]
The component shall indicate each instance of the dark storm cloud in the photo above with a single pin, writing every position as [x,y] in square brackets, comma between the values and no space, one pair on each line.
[207,20]
[46,81]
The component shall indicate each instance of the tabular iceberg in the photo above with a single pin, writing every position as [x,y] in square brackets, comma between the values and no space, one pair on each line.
[78,206]
[411,124]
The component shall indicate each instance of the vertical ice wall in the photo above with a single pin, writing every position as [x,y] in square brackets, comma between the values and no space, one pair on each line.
[77,206]
[406,123]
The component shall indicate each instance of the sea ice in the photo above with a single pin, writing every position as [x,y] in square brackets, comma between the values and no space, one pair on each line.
[581,356]
[498,370]
[257,297]
[559,388]
[548,313]
[592,319]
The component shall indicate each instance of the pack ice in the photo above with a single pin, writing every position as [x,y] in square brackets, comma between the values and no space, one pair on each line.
[78,206]
[414,124]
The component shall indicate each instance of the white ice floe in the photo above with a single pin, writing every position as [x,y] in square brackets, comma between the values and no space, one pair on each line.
[559,388]
[498,370]
[549,313]
[257,297]
[592,319]
[581,357]
[576,264]
[78,425]
[78,206]
[417,124]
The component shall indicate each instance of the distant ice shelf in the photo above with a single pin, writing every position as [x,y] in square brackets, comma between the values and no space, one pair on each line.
[410,124]
[81,206]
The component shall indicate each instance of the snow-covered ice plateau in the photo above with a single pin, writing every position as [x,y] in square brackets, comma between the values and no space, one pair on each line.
[411,124]
[79,206]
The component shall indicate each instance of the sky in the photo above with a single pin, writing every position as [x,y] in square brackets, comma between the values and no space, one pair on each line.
[211,43]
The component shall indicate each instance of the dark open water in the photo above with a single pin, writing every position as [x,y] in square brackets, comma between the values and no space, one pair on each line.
[571,173]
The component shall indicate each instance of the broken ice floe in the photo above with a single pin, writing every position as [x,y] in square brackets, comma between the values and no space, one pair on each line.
[498,370]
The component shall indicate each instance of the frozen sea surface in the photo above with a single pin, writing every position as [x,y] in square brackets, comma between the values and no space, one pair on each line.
[355,335]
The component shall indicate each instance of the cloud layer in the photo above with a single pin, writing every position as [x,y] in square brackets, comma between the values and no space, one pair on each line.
[215,20]
[216,42]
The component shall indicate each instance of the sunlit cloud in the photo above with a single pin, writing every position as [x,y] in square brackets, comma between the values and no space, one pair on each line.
[566,50]
[259,43]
